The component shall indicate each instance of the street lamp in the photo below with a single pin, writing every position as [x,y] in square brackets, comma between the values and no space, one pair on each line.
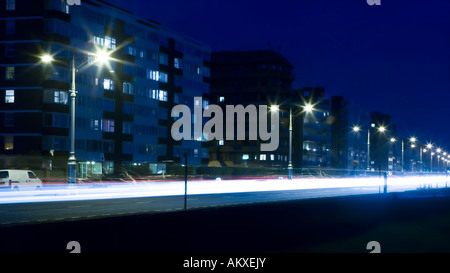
[307,108]
[46,58]
[102,57]
[430,146]
[380,129]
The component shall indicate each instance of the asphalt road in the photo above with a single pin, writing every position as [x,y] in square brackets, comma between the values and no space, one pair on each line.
[40,212]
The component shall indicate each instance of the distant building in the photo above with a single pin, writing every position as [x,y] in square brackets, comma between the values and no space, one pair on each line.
[259,77]
[312,133]
[384,154]
[349,128]
[122,111]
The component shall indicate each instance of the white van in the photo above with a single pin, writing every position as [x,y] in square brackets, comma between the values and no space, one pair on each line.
[19,179]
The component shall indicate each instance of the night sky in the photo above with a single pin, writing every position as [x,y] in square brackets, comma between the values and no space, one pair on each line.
[394,58]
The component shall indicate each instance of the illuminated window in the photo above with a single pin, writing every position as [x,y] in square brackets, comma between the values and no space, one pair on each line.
[262,157]
[157,75]
[61,97]
[178,63]
[110,43]
[272,157]
[9,142]
[9,96]
[10,73]
[128,88]
[163,77]
[108,84]
[221,99]
[163,59]
[160,95]
[221,142]
[143,54]
[108,125]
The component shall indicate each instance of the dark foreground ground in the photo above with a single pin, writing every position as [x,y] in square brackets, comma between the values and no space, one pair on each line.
[407,222]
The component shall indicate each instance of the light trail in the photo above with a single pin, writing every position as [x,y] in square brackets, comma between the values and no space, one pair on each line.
[56,193]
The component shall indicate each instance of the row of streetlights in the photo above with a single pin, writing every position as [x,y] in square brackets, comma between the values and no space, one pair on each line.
[414,142]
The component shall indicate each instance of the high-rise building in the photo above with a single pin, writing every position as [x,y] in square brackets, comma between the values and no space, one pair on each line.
[259,77]
[349,131]
[383,151]
[312,133]
[123,107]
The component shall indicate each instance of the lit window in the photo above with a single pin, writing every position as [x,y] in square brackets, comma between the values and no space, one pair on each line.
[108,125]
[221,99]
[262,157]
[160,95]
[110,43]
[108,84]
[221,142]
[163,59]
[128,88]
[177,63]
[163,77]
[9,143]
[9,96]
[60,97]
[10,73]
[205,104]
[272,157]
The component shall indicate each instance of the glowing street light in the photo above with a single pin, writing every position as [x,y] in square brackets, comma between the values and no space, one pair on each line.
[308,108]
[102,56]
[274,108]
[47,58]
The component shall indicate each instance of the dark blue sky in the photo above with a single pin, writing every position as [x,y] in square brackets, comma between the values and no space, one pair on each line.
[394,58]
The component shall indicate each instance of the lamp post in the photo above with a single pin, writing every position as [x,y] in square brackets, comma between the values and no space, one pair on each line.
[392,140]
[380,129]
[290,167]
[102,56]
[308,108]
[430,146]
[413,141]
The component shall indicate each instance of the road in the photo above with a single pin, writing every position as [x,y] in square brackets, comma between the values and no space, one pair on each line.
[87,202]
